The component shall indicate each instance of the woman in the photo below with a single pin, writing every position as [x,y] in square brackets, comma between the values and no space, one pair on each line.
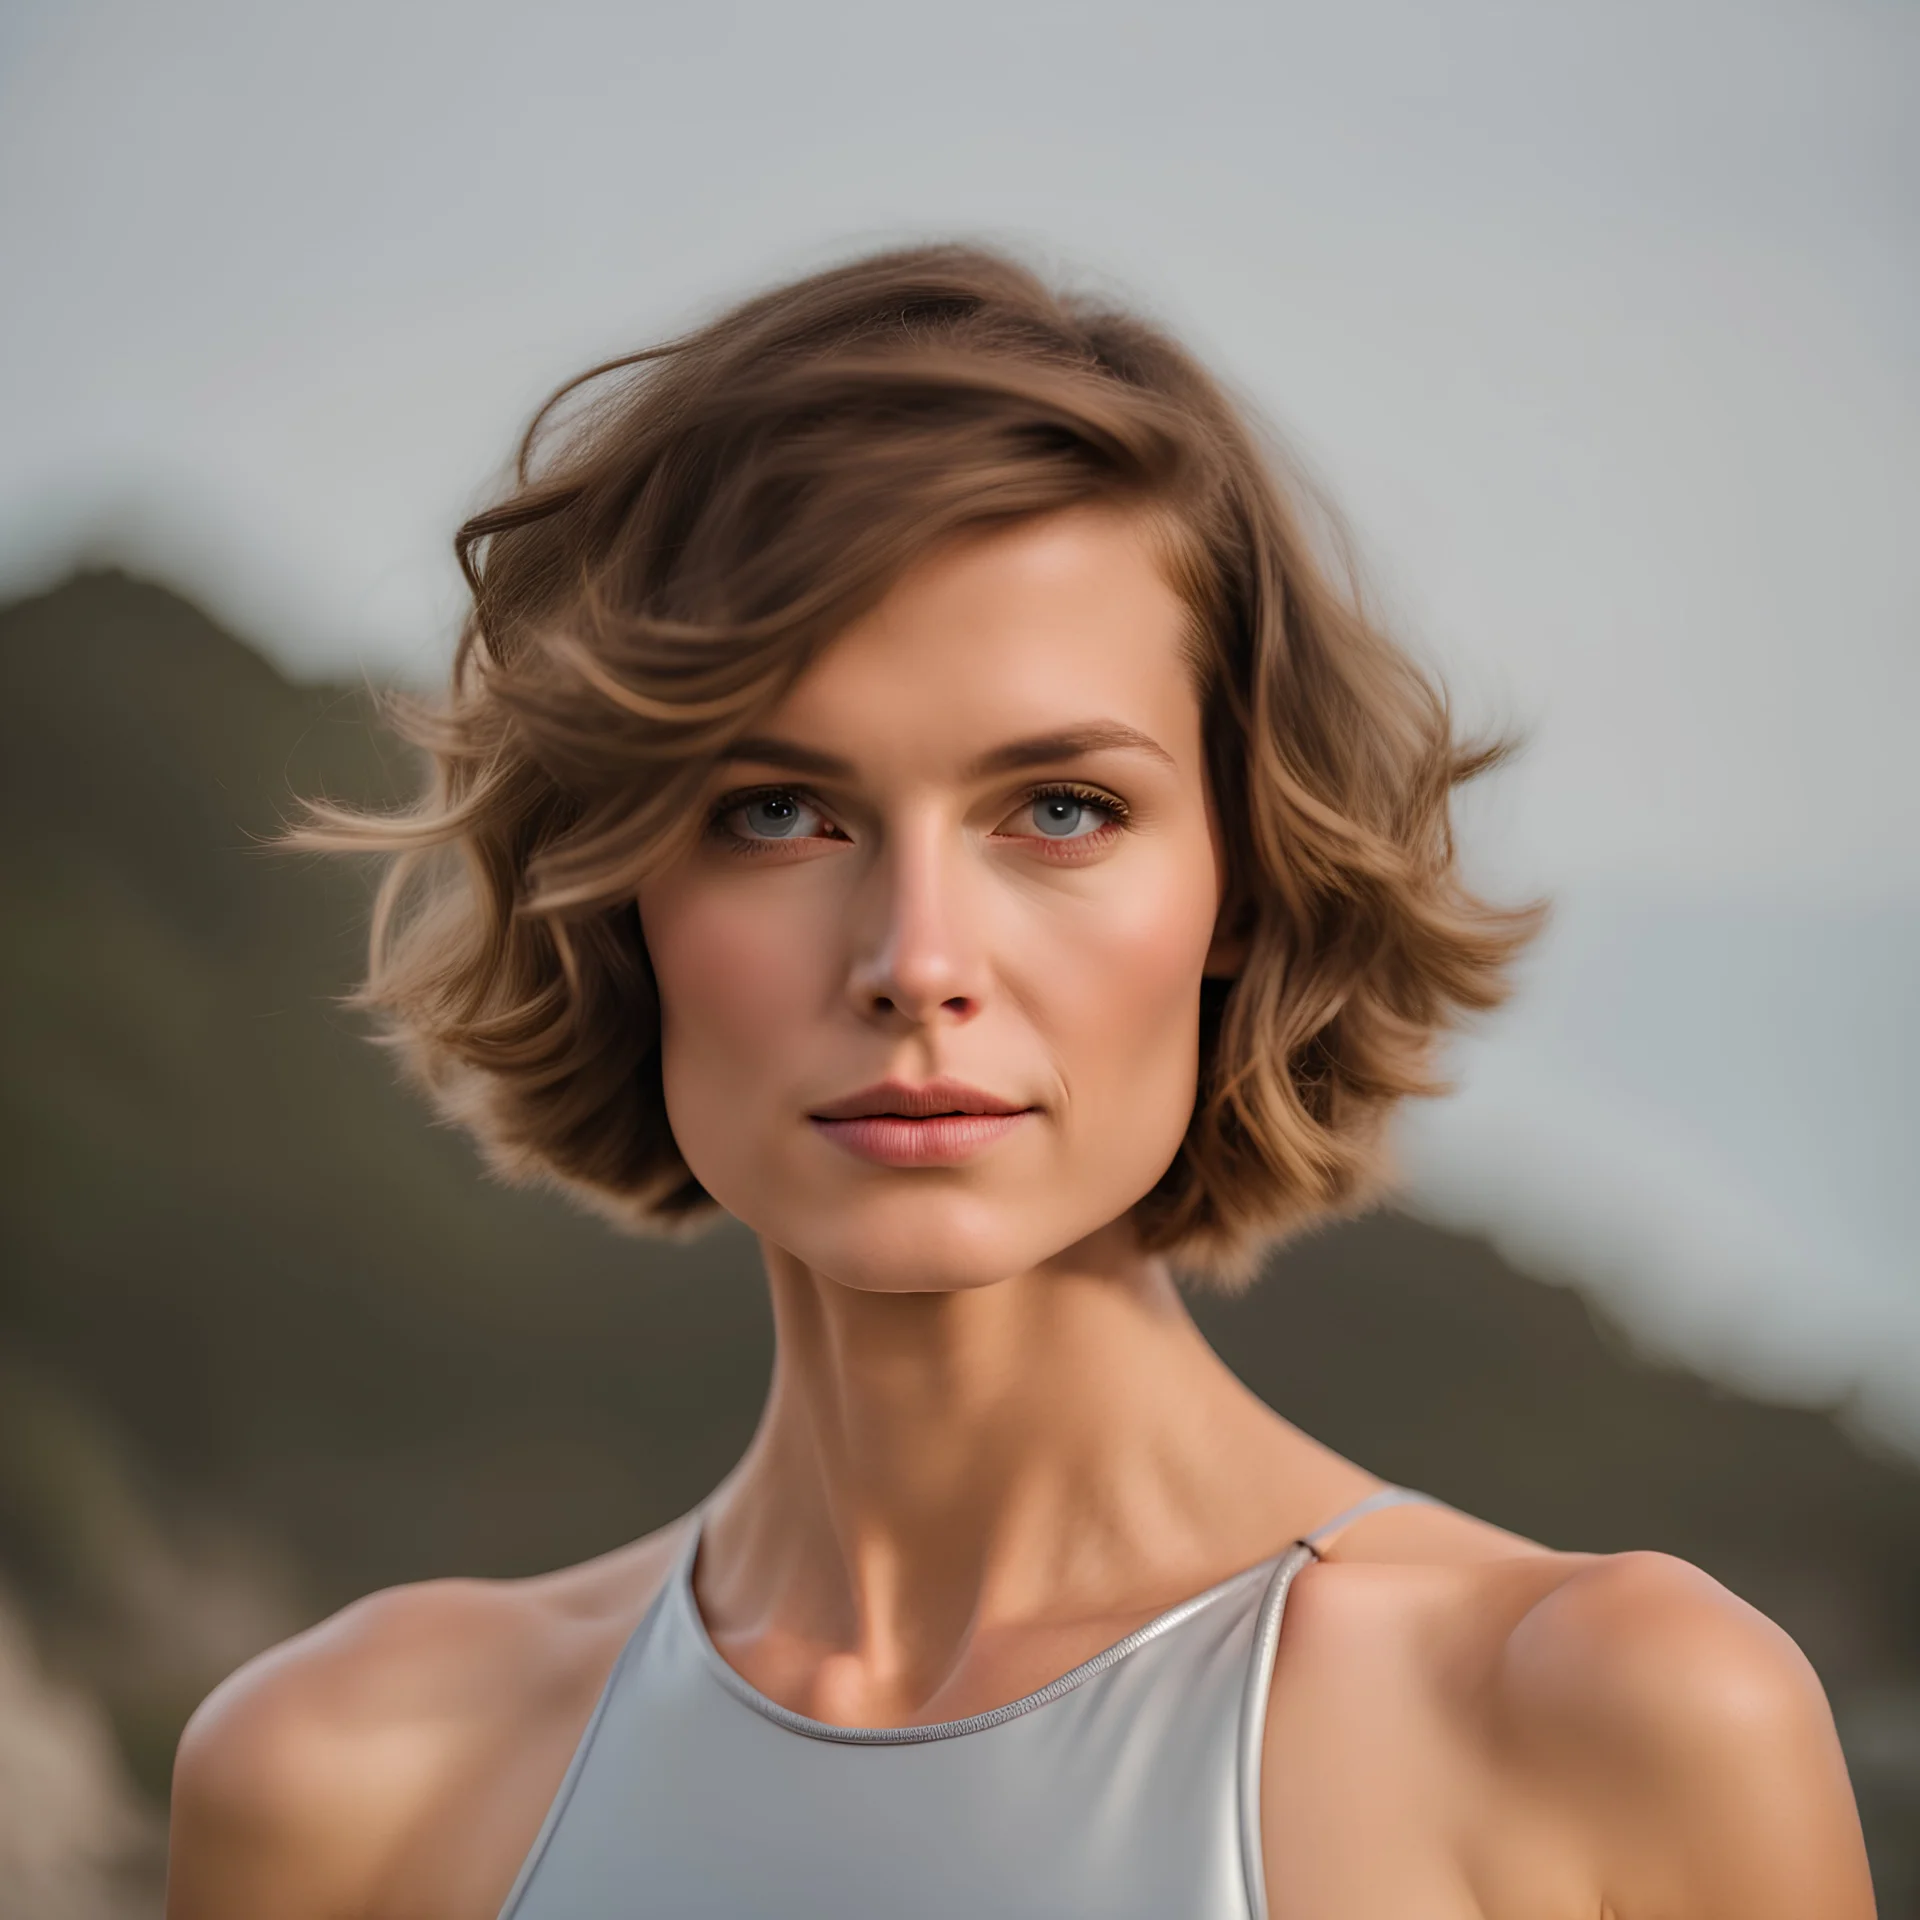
[913,781]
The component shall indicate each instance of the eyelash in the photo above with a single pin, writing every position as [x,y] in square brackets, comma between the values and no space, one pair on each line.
[1118,814]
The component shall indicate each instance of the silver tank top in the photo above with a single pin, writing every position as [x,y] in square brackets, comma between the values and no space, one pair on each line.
[1128,1788]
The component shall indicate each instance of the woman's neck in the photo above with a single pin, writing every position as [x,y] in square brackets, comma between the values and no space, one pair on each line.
[932,1468]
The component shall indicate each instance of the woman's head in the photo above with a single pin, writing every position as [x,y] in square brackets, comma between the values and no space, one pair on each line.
[966,864]
[917,675]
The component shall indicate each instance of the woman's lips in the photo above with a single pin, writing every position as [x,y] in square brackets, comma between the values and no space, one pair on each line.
[938,1124]
[931,1140]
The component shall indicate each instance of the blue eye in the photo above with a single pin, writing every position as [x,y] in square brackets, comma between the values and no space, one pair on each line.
[1064,816]
[774,816]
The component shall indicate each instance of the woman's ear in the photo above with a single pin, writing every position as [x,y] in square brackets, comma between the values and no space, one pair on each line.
[1225,958]
[1233,918]
[1232,940]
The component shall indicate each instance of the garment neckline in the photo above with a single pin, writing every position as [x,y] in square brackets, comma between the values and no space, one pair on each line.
[681,1596]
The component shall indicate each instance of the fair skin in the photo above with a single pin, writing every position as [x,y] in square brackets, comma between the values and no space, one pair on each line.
[975,845]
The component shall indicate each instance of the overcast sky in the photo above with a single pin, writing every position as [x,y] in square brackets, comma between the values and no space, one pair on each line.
[1599,319]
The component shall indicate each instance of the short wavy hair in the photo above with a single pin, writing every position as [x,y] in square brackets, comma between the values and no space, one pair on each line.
[687,528]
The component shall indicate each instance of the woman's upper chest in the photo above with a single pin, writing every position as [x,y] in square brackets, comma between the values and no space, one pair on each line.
[1380,1791]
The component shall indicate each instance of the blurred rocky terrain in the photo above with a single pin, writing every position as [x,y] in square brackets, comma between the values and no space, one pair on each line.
[268,1339]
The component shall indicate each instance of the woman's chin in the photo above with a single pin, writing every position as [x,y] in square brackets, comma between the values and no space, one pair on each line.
[939,1248]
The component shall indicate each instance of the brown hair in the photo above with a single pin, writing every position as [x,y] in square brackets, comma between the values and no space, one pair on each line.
[691,524]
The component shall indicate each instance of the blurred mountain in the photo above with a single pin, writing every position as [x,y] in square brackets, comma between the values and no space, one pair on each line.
[268,1339]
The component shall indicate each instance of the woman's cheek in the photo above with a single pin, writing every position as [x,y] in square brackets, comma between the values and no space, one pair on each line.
[1124,1028]
[1142,961]
[732,978]
[727,981]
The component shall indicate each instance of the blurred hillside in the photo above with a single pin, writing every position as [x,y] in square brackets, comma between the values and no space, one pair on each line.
[267,1339]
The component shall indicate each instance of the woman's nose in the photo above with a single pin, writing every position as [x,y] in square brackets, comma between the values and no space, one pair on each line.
[918,960]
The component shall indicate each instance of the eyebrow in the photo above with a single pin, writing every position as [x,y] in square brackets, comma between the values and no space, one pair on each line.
[1070,743]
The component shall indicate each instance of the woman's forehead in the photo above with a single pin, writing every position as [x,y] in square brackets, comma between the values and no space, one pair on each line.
[1059,627]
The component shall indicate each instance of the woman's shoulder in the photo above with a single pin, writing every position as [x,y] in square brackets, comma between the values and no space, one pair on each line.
[1638,1640]
[1642,1645]
[318,1764]
[1693,1726]
[431,1653]
[1631,1697]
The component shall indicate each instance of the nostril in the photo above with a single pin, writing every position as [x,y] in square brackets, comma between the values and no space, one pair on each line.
[888,1006]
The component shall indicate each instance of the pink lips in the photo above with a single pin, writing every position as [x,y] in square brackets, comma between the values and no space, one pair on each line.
[939,1124]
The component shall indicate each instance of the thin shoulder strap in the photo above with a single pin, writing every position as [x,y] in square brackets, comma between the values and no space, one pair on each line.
[1259,1685]
[1324,1534]
[1253,1718]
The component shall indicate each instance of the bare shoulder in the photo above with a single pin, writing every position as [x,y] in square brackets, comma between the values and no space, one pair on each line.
[306,1779]
[1598,1733]
[1646,1649]
[1685,1735]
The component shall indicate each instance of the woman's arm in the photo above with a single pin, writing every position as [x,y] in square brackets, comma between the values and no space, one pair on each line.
[1688,1736]
[306,1782]
[398,1758]
[279,1806]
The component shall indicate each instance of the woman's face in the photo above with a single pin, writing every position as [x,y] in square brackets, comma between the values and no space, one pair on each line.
[930,983]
